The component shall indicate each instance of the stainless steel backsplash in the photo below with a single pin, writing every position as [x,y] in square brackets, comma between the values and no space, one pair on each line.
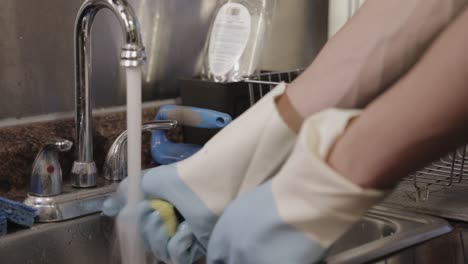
[36,49]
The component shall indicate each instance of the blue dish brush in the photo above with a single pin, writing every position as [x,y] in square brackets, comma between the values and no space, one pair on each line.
[3,225]
[17,213]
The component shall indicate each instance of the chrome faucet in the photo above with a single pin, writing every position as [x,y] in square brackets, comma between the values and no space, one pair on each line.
[84,170]
[57,202]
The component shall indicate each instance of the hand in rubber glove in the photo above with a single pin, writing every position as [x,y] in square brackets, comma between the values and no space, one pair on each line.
[294,217]
[241,156]
[164,232]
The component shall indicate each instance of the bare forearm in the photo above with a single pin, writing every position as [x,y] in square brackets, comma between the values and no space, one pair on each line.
[373,49]
[421,117]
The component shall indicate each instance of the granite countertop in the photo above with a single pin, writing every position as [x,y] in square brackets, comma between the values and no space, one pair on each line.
[19,145]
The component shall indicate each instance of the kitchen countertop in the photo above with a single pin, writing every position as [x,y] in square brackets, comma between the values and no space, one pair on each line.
[20,143]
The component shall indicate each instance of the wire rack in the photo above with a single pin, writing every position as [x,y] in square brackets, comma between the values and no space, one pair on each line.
[446,171]
[262,83]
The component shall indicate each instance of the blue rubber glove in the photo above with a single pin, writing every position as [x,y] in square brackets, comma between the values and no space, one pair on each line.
[163,183]
[178,245]
[201,186]
[294,217]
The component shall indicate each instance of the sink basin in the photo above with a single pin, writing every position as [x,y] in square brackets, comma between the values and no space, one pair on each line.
[90,239]
[383,231]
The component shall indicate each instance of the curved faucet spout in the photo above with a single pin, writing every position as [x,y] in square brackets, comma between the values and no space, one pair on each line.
[132,54]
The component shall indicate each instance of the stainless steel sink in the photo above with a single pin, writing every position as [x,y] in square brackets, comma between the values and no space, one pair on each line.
[90,239]
[384,231]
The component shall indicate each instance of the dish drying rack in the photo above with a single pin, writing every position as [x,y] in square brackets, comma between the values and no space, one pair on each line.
[261,83]
[447,171]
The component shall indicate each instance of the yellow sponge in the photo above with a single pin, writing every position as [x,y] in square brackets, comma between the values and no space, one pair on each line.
[168,215]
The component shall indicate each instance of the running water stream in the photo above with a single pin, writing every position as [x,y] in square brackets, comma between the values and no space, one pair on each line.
[131,246]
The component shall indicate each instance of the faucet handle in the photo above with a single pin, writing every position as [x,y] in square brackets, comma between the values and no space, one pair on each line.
[46,175]
[115,165]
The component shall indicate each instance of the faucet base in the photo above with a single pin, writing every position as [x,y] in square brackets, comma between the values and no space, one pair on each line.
[84,174]
[72,203]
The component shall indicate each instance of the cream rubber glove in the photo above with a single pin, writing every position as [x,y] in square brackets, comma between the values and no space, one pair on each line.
[294,217]
[241,156]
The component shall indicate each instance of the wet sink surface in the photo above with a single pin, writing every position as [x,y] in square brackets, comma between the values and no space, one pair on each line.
[90,239]
[384,231]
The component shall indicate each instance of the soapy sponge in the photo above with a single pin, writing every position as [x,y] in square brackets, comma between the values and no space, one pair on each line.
[17,213]
[168,215]
[3,225]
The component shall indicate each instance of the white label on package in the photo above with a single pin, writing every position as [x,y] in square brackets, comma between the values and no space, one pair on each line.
[229,37]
